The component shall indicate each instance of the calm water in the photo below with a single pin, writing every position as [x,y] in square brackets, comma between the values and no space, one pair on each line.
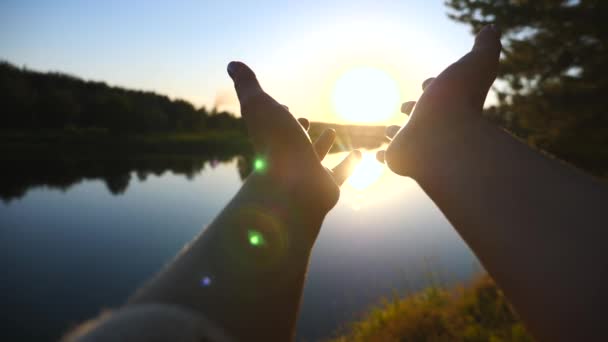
[86,242]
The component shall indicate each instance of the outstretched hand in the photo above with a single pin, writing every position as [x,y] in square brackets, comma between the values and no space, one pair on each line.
[448,109]
[282,144]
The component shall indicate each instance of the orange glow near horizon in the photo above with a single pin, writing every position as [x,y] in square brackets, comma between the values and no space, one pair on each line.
[347,73]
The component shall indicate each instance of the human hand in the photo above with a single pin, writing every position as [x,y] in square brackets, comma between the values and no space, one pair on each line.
[448,109]
[284,152]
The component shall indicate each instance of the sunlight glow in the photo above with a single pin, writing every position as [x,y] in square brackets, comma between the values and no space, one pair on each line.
[366,94]
[366,173]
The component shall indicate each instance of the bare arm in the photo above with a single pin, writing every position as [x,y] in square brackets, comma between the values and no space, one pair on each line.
[246,271]
[537,225]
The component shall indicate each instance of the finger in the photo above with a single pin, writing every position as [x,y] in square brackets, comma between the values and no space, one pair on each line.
[380,156]
[305,123]
[245,82]
[486,50]
[427,82]
[475,72]
[324,142]
[479,66]
[487,42]
[346,167]
[391,131]
[407,107]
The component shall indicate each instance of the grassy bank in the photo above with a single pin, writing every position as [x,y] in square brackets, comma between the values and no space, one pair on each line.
[74,141]
[475,312]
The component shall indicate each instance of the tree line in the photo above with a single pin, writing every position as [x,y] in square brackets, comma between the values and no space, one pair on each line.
[553,74]
[35,100]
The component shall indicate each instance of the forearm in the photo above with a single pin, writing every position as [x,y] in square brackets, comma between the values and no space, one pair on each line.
[537,226]
[246,271]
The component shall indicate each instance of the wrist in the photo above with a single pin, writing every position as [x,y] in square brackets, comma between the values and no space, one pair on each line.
[289,212]
[441,155]
[423,155]
[309,188]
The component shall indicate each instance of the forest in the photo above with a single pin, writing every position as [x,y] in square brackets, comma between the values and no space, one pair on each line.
[36,101]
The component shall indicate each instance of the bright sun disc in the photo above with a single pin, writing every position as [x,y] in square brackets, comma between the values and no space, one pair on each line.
[366,95]
[366,172]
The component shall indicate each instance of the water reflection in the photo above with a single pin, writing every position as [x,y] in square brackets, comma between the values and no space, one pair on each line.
[68,254]
[63,172]
[367,172]
[21,176]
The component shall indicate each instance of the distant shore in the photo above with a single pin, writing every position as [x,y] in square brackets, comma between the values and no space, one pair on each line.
[90,142]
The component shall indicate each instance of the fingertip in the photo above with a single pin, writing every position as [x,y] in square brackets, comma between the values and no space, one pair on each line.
[233,69]
[391,131]
[427,82]
[328,134]
[496,30]
[357,154]
[407,107]
[488,38]
[380,156]
[331,132]
[324,142]
[245,81]
[304,122]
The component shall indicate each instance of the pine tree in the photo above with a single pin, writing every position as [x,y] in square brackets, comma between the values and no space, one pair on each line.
[553,78]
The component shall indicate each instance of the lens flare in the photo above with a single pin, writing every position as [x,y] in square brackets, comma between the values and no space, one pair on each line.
[259,164]
[256,238]
[206,281]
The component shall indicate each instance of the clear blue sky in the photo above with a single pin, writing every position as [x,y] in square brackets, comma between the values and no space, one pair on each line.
[181,48]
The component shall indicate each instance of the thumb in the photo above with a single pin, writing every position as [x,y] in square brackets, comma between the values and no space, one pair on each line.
[245,82]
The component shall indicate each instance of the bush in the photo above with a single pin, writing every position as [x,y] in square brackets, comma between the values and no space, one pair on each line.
[477,312]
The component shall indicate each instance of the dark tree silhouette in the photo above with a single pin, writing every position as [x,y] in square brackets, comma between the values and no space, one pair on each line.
[553,73]
[34,100]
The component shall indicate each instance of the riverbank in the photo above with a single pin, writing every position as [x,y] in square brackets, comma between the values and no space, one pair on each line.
[93,142]
[477,311]
[45,144]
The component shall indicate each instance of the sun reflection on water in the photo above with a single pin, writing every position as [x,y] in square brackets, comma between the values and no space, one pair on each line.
[366,173]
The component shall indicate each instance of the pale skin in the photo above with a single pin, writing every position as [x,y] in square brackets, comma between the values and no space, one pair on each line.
[537,225]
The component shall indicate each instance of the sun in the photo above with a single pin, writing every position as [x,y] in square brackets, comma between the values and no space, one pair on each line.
[366,173]
[365,94]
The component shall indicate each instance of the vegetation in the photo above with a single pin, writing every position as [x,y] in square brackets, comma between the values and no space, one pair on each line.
[53,114]
[477,312]
[35,101]
[76,130]
[552,75]
[551,87]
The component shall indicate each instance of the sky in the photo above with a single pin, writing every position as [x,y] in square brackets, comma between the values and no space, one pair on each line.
[298,49]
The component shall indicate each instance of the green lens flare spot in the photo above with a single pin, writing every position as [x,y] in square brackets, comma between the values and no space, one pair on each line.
[259,164]
[256,238]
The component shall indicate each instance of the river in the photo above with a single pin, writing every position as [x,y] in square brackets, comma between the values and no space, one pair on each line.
[78,239]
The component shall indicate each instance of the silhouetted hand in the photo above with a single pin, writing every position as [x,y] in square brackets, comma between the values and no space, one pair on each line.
[450,107]
[284,150]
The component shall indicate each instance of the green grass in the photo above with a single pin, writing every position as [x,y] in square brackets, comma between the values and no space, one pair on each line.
[476,312]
